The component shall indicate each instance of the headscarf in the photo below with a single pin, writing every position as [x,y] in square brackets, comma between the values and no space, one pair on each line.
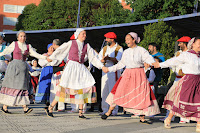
[33,61]
[189,45]
[49,45]
[78,31]
[135,36]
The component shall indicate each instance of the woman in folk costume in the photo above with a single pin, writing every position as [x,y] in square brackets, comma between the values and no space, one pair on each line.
[14,91]
[35,74]
[43,92]
[132,90]
[185,101]
[76,81]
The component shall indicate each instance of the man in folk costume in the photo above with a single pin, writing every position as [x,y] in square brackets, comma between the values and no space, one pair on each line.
[109,55]
[55,80]
[183,41]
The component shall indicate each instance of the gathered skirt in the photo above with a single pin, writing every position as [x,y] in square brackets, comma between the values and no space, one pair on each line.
[81,96]
[132,91]
[15,85]
[183,98]
[43,92]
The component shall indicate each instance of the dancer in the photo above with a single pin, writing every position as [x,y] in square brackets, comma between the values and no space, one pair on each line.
[3,45]
[109,55]
[184,100]
[14,91]
[132,90]
[76,81]
[183,41]
[43,93]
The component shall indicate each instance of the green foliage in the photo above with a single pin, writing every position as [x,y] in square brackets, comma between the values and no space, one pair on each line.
[58,14]
[157,9]
[163,35]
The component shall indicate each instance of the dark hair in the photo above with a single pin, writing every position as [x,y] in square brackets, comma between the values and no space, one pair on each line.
[155,45]
[196,38]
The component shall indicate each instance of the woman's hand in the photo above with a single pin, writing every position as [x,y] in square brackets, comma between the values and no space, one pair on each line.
[156,64]
[105,69]
[49,60]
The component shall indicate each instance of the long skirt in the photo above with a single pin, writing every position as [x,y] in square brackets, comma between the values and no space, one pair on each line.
[43,92]
[132,91]
[183,98]
[15,85]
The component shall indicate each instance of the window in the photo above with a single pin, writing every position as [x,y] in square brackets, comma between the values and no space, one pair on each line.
[9,21]
[13,8]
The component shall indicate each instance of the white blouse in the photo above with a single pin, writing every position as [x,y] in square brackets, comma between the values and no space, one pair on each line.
[133,58]
[190,63]
[63,51]
[23,48]
[44,62]
[7,56]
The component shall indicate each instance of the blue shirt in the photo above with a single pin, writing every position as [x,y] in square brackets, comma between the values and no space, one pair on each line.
[158,71]
[160,56]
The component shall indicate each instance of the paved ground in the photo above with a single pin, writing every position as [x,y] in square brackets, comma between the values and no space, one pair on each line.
[63,122]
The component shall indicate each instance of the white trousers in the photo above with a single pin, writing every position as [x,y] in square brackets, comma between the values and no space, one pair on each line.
[76,109]
[54,87]
[107,82]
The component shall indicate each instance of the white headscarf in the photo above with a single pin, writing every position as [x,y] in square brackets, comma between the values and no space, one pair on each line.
[135,36]
[78,31]
[189,45]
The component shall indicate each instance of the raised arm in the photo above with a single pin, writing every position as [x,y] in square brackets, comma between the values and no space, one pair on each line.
[8,49]
[119,65]
[35,54]
[93,57]
[181,59]
[61,52]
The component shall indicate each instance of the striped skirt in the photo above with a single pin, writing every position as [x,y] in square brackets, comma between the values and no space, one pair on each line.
[132,91]
[183,98]
[14,97]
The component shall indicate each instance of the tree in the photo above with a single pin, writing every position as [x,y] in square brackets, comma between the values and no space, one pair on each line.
[157,9]
[163,35]
[58,14]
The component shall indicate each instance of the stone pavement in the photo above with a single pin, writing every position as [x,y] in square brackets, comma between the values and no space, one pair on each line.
[63,122]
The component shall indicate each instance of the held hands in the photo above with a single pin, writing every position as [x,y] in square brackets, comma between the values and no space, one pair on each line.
[49,60]
[105,69]
[156,64]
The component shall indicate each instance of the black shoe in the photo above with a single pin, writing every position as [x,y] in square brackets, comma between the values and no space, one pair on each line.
[28,111]
[5,111]
[49,114]
[145,122]
[104,117]
[82,117]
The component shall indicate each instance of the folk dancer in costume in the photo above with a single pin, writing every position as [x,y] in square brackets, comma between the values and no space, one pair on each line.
[74,107]
[35,74]
[55,80]
[43,93]
[183,41]
[3,65]
[109,55]
[14,91]
[132,90]
[76,81]
[184,101]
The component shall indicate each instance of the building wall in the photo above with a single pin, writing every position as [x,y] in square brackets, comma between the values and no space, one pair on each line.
[10,10]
